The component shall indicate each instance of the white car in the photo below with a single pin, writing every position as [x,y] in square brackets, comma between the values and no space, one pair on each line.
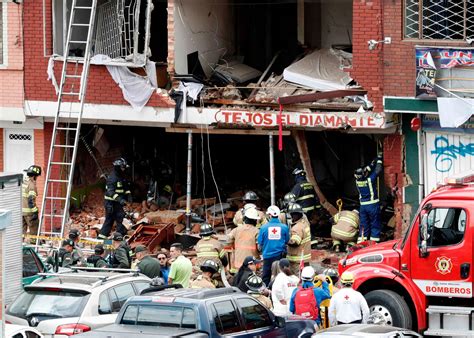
[64,304]
[365,330]
[18,331]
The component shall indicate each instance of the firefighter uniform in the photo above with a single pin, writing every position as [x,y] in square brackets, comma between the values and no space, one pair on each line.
[202,282]
[345,228]
[29,208]
[116,194]
[244,241]
[209,248]
[369,202]
[299,245]
[262,299]
[285,218]
[306,196]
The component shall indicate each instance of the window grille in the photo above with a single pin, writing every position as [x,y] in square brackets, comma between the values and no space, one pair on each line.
[439,19]
[20,137]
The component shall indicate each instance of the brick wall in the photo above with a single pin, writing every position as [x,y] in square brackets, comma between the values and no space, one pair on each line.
[101,88]
[171,37]
[1,150]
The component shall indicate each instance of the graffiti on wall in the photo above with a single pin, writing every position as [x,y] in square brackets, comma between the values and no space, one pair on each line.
[445,153]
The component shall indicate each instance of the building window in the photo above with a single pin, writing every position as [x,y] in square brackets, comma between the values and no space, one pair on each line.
[439,19]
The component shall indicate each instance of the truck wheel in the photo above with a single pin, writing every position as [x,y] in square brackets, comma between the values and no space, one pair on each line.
[391,306]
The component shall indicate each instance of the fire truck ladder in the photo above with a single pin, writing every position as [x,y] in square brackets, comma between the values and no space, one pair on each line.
[67,122]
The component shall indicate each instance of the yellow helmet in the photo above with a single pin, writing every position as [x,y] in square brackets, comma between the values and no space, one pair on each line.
[347,278]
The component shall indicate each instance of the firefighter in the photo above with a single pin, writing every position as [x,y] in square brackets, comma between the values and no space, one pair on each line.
[204,280]
[348,306]
[257,288]
[122,256]
[272,240]
[306,197]
[285,217]
[117,193]
[299,245]
[29,208]
[249,199]
[97,260]
[366,181]
[209,247]
[243,239]
[345,229]
[306,299]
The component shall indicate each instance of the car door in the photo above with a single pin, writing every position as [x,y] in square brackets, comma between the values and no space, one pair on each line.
[32,266]
[226,320]
[257,320]
[446,269]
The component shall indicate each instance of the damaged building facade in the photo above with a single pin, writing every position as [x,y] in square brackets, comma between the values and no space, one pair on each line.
[231,73]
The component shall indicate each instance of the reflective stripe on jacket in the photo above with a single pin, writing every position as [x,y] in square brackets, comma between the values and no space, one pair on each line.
[29,194]
[300,235]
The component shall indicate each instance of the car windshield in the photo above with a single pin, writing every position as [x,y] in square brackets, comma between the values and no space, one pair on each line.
[59,304]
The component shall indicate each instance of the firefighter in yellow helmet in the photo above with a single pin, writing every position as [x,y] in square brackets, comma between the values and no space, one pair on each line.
[29,207]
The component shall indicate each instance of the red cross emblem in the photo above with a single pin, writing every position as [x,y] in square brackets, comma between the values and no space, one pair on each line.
[274,231]
[346,297]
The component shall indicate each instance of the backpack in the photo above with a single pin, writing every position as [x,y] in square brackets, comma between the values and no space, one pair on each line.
[305,303]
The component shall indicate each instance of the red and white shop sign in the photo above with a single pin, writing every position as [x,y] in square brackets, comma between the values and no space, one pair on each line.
[301,119]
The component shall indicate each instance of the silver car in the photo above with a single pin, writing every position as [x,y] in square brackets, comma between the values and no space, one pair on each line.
[365,330]
[77,301]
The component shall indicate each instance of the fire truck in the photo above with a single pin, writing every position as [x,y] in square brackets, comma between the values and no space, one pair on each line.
[424,281]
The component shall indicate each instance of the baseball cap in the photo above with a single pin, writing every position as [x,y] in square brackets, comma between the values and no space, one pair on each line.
[284,263]
[140,248]
[68,242]
[74,233]
[117,236]
[99,249]
[251,260]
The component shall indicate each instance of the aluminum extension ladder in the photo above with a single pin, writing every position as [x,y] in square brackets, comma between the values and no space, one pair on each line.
[67,122]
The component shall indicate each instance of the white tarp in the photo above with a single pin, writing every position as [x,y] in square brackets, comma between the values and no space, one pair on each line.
[321,70]
[453,112]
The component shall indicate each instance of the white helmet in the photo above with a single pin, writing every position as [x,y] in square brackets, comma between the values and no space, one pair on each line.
[252,213]
[308,273]
[249,206]
[273,211]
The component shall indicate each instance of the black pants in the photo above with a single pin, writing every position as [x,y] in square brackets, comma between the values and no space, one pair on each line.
[113,212]
[354,322]
[267,268]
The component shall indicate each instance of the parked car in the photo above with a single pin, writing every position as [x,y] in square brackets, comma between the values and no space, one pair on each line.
[62,304]
[32,265]
[365,330]
[18,331]
[200,312]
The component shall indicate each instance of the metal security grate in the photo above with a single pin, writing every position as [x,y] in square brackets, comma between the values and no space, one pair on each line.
[20,137]
[439,19]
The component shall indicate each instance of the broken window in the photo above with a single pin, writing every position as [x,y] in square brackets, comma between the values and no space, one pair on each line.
[121,30]
[439,20]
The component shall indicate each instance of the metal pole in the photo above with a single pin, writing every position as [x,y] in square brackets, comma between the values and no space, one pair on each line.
[272,169]
[188,185]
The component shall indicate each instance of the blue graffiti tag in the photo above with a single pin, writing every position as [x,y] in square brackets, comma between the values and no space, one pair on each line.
[446,153]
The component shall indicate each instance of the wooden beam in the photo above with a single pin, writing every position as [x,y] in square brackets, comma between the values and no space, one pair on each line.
[320,95]
[300,138]
[229,131]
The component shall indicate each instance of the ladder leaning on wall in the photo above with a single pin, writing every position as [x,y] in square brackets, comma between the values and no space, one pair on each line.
[67,122]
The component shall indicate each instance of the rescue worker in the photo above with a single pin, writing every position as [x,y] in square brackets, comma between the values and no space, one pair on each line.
[97,260]
[307,198]
[256,288]
[299,245]
[204,280]
[77,254]
[121,257]
[348,306]
[366,181]
[345,229]
[117,193]
[282,289]
[249,199]
[272,239]
[332,276]
[306,299]
[147,265]
[29,208]
[285,217]
[209,247]
[243,239]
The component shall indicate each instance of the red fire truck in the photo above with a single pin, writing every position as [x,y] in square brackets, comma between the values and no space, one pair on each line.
[425,280]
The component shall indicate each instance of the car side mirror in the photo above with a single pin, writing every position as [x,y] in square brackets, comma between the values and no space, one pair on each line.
[423,249]
[280,322]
